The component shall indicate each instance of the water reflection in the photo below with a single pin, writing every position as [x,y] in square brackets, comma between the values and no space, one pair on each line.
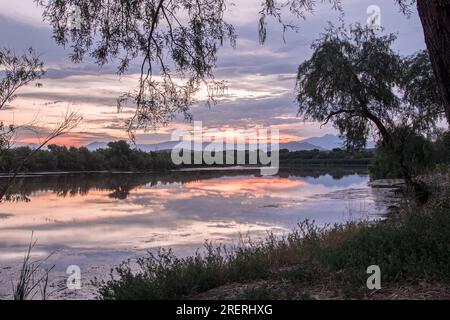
[97,213]
[120,184]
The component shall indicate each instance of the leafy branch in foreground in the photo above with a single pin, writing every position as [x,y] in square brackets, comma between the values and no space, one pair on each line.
[296,8]
[178,41]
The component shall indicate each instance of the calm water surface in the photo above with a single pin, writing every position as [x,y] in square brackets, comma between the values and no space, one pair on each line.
[97,220]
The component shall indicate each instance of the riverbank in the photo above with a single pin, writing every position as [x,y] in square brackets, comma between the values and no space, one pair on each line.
[411,248]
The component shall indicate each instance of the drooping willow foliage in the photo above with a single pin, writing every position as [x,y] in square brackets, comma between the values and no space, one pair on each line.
[177,42]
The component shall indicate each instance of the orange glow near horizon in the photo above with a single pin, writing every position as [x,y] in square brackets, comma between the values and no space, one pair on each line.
[77,140]
[44,108]
[61,141]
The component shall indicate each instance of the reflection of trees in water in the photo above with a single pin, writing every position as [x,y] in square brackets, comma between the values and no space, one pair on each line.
[386,197]
[316,172]
[121,184]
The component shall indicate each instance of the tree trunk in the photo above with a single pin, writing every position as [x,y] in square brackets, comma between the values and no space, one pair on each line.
[435,17]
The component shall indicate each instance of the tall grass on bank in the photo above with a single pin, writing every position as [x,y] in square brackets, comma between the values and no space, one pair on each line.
[164,276]
[33,279]
[417,247]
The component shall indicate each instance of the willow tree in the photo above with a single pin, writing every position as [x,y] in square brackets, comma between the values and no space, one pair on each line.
[355,81]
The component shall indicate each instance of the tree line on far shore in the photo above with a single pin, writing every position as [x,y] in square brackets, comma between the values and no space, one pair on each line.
[121,156]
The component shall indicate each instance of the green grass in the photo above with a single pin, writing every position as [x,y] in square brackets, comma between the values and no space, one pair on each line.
[416,246]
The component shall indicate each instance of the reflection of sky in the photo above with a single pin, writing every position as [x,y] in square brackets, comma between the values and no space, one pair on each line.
[176,214]
[329,181]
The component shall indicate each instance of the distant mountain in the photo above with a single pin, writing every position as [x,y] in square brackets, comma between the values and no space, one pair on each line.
[327,142]
[164,146]
[331,141]
[32,146]
[96,145]
[300,146]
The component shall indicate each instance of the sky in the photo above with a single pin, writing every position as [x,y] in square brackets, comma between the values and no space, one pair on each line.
[261,78]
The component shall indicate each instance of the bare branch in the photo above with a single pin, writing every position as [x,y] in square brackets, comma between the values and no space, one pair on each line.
[17,71]
[67,124]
